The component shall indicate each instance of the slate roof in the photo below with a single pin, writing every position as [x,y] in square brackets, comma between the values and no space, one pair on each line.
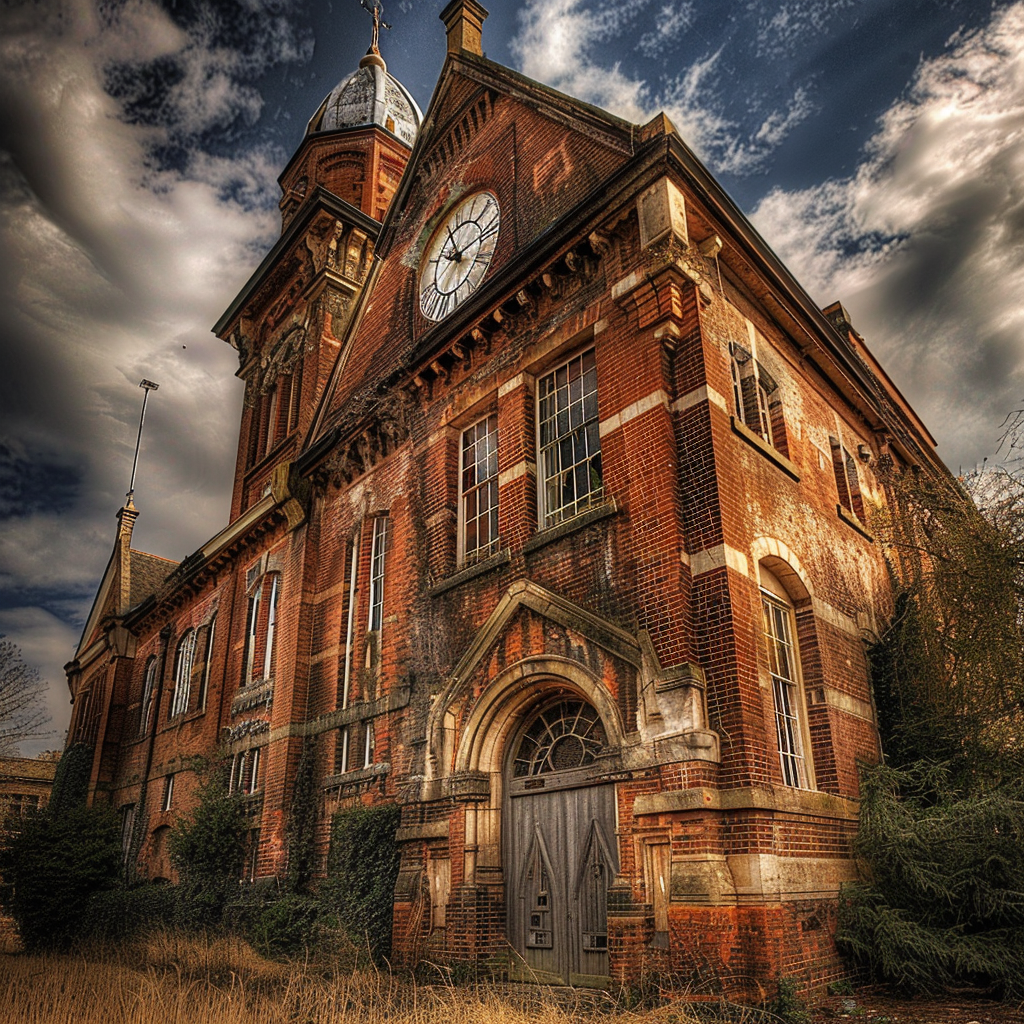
[148,574]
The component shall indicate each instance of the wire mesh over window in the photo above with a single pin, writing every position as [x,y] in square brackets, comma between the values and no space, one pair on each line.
[562,737]
[480,489]
[570,445]
[782,665]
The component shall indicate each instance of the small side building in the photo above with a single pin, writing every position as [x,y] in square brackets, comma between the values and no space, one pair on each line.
[25,784]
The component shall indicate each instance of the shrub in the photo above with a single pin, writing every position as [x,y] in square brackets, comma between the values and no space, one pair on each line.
[125,912]
[941,833]
[302,821]
[361,873]
[71,779]
[284,926]
[945,902]
[52,868]
[207,848]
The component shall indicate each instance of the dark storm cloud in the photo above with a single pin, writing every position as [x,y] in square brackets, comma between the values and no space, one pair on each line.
[32,481]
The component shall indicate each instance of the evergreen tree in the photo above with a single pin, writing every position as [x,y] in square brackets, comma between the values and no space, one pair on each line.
[941,833]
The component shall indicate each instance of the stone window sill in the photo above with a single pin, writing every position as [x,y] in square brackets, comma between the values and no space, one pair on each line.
[175,720]
[470,572]
[360,775]
[593,515]
[854,523]
[760,444]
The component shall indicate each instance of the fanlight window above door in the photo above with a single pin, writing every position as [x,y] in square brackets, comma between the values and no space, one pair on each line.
[563,736]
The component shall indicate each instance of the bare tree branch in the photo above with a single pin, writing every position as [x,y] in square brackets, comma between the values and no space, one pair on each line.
[23,713]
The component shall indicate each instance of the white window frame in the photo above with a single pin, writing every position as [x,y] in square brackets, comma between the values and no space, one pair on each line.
[345,741]
[758,409]
[252,633]
[204,685]
[579,420]
[127,828]
[258,606]
[477,486]
[268,653]
[148,695]
[184,660]
[254,771]
[378,551]
[167,801]
[844,466]
[369,743]
[784,669]
[270,427]
[245,772]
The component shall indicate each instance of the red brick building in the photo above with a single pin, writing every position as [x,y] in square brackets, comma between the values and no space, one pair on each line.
[550,523]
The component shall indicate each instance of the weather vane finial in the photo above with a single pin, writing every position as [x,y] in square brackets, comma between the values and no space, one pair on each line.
[376,9]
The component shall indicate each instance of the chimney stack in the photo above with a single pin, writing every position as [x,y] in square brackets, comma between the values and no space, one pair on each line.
[463,20]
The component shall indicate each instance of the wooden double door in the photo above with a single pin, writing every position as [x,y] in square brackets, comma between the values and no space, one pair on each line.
[560,851]
[561,856]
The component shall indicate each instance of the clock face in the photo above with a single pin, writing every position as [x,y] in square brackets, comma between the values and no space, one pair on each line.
[458,255]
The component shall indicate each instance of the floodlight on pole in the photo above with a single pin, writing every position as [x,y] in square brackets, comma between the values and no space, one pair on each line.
[147,386]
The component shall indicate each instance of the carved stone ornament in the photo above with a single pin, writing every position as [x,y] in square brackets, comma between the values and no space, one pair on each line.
[378,439]
[281,358]
[697,267]
[241,342]
[335,302]
[322,243]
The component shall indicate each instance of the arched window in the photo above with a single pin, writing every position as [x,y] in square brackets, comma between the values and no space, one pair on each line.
[148,696]
[561,737]
[183,662]
[783,656]
[260,629]
[201,663]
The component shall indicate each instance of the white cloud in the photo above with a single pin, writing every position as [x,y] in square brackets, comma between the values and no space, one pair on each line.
[116,267]
[556,44]
[780,32]
[924,244]
[669,23]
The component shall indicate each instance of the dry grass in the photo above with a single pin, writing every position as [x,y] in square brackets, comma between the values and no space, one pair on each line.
[185,980]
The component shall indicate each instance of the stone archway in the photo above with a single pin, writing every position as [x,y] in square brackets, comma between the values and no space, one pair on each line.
[561,812]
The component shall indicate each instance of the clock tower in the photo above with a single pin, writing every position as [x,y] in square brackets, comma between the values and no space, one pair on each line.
[287,321]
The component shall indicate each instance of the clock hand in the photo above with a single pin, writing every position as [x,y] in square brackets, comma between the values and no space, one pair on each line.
[456,254]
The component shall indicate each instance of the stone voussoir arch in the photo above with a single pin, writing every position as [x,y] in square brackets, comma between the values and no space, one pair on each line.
[783,562]
[520,686]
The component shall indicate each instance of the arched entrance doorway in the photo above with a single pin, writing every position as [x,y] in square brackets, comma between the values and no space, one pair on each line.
[559,851]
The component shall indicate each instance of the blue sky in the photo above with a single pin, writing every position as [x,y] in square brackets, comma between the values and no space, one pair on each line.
[877,144]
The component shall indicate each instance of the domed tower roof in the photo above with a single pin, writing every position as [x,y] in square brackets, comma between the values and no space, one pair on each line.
[369,96]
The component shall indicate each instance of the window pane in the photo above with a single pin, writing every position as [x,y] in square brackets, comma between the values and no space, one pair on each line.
[377,552]
[782,665]
[569,439]
[479,497]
